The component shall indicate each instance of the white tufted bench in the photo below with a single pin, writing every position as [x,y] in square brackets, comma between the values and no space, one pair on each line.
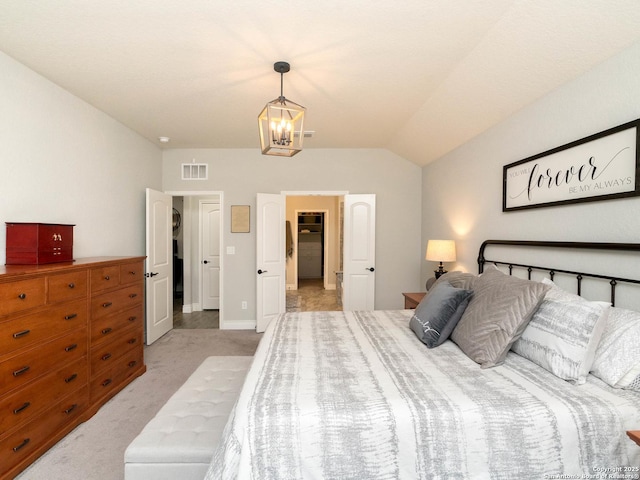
[179,441]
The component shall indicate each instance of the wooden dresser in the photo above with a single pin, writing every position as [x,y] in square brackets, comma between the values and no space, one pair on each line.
[71,337]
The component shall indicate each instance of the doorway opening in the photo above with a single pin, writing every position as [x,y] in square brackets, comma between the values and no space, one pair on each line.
[197,260]
[277,267]
[314,252]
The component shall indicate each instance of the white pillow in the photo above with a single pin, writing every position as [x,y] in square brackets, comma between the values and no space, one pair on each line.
[563,334]
[617,359]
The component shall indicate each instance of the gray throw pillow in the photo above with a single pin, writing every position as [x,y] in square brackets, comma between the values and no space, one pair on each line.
[438,313]
[496,316]
[457,279]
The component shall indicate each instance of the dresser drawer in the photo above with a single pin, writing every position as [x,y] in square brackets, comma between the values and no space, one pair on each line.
[104,278]
[25,442]
[33,329]
[41,360]
[131,273]
[67,286]
[106,328]
[21,295]
[110,379]
[38,396]
[106,354]
[111,302]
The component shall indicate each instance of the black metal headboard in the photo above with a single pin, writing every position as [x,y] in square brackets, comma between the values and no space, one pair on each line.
[613,280]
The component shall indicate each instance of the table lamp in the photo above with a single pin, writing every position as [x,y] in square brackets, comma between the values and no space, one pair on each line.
[441,251]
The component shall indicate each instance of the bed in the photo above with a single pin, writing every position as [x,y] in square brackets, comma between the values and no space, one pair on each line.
[363,394]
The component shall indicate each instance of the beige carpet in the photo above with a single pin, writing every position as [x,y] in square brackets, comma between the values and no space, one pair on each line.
[95,449]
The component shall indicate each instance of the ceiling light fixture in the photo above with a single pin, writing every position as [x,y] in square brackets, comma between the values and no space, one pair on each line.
[280,122]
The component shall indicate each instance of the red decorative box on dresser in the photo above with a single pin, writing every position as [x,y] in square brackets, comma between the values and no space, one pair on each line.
[38,243]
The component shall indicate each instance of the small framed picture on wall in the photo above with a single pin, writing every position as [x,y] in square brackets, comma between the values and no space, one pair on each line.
[240,216]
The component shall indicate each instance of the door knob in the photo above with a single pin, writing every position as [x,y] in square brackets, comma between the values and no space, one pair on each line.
[205,262]
[371,269]
[152,274]
[260,272]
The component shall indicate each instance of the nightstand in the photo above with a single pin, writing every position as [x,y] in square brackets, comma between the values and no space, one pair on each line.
[411,300]
[634,435]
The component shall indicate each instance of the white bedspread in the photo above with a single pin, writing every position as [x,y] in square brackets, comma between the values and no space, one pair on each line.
[355,395]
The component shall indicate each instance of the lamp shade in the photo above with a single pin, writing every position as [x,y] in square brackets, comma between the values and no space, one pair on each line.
[441,251]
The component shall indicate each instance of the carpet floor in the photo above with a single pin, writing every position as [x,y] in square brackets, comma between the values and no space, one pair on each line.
[95,449]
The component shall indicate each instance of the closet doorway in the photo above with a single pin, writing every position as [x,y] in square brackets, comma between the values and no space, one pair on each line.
[314,252]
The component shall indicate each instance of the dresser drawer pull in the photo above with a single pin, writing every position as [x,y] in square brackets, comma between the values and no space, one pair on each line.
[22,296]
[132,273]
[132,341]
[23,407]
[106,357]
[132,319]
[106,382]
[23,444]
[21,334]
[107,304]
[73,346]
[71,317]
[107,277]
[71,408]
[20,371]
[71,378]
[133,295]
[106,330]
[132,363]
[72,285]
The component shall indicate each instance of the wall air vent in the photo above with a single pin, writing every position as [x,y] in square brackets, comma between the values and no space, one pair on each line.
[195,171]
[305,134]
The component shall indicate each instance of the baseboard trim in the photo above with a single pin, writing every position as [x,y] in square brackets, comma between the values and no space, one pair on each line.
[238,325]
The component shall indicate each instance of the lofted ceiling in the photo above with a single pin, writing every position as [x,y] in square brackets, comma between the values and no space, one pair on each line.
[417,77]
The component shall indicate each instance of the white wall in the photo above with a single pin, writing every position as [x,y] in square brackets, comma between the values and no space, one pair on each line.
[241,173]
[462,192]
[63,161]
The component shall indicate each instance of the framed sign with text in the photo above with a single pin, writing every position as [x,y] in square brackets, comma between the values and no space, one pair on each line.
[599,167]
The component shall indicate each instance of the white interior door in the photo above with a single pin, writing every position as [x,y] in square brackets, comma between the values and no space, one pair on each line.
[159,274]
[210,221]
[270,258]
[359,279]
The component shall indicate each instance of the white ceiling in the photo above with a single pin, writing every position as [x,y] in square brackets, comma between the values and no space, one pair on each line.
[418,77]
